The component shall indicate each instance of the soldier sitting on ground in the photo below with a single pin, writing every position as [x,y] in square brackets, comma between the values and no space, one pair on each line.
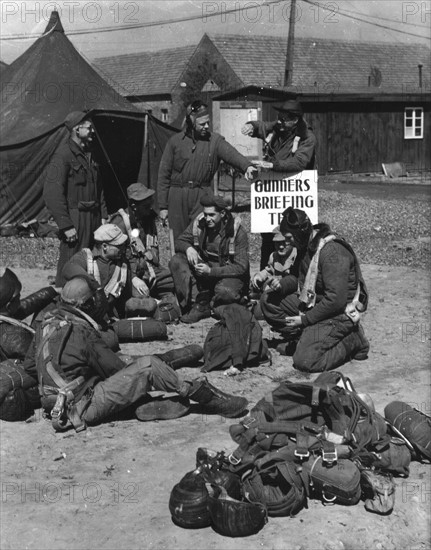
[138,222]
[279,264]
[211,266]
[84,382]
[107,267]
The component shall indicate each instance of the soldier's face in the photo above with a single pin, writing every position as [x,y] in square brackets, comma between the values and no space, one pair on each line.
[281,247]
[202,126]
[212,217]
[287,121]
[85,133]
[141,209]
[113,251]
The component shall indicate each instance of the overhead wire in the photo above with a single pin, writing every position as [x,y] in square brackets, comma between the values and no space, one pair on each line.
[340,12]
[344,13]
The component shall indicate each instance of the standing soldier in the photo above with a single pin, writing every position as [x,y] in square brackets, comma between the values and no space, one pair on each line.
[188,165]
[290,146]
[73,192]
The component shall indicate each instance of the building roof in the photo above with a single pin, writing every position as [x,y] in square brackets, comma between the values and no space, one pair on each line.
[320,65]
[147,73]
[326,66]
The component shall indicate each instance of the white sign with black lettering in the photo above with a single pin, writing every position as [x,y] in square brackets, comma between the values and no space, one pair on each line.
[273,192]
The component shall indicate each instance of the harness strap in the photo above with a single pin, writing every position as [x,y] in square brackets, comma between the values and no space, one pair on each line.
[15,322]
[64,409]
[116,284]
[92,267]
[136,242]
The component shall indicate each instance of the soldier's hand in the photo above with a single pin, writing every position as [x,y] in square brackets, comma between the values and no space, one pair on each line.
[263,164]
[257,282]
[192,256]
[202,269]
[70,235]
[274,284]
[251,173]
[141,286]
[163,215]
[247,129]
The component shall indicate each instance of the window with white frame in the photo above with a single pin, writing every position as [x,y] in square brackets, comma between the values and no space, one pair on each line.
[164,115]
[413,123]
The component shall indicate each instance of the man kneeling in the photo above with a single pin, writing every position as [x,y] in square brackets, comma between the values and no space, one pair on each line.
[83,382]
[320,311]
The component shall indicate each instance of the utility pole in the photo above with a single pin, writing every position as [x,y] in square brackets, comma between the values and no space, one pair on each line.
[288,71]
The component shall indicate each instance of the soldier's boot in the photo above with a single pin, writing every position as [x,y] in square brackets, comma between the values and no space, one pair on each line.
[212,400]
[187,356]
[361,345]
[201,309]
[36,302]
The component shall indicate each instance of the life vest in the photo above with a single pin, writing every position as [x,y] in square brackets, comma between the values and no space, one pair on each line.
[307,295]
[197,231]
[117,282]
[136,244]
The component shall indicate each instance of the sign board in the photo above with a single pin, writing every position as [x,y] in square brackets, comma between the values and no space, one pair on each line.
[273,192]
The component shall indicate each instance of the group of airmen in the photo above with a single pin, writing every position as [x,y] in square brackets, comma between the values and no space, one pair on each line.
[309,289]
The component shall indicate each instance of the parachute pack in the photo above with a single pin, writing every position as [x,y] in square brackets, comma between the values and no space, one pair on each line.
[304,440]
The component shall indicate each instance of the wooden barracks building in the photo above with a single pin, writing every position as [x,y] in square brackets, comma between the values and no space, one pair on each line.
[368,103]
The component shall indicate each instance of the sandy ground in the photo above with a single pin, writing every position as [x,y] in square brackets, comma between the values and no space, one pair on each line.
[109,487]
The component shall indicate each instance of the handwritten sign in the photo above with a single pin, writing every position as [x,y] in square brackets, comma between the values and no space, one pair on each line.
[273,192]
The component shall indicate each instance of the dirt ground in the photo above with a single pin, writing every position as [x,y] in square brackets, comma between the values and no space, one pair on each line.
[109,487]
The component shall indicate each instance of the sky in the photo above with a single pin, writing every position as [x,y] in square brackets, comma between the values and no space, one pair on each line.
[365,20]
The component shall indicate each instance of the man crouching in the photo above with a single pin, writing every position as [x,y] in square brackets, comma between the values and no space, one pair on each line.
[211,266]
[83,382]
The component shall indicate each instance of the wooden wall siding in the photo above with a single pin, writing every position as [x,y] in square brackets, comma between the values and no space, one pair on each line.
[360,140]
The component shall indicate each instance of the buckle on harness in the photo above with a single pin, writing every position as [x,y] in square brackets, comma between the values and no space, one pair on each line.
[247,422]
[301,454]
[233,459]
[329,456]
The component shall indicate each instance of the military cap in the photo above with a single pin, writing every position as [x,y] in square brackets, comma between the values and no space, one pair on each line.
[290,106]
[111,234]
[76,291]
[74,118]
[139,192]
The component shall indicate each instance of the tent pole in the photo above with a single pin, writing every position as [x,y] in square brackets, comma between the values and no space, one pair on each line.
[147,145]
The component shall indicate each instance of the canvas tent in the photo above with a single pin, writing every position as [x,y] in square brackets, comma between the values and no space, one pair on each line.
[38,90]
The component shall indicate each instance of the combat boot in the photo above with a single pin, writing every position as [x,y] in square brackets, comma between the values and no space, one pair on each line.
[362,344]
[201,309]
[187,356]
[212,400]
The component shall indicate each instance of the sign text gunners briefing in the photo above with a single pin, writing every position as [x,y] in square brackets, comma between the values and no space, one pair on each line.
[275,192]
